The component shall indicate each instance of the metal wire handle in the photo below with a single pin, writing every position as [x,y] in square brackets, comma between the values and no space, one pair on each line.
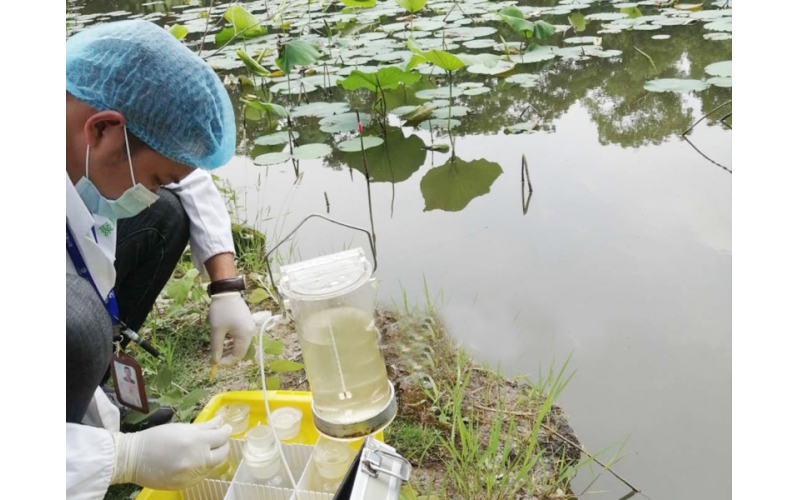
[369,237]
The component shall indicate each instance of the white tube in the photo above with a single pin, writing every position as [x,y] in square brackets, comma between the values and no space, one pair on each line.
[265,326]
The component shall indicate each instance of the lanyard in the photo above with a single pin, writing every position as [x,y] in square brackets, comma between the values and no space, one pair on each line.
[80,266]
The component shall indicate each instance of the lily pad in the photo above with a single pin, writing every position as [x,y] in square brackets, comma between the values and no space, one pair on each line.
[439,123]
[647,27]
[521,128]
[321,109]
[721,81]
[311,151]
[275,139]
[538,54]
[477,91]
[354,144]
[500,68]
[479,44]
[722,68]
[675,85]
[440,92]
[718,36]
[272,158]
[345,122]
[724,25]
[524,80]
[396,161]
[470,85]
[455,112]
[452,186]
[583,40]
[605,16]
[660,37]
[606,54]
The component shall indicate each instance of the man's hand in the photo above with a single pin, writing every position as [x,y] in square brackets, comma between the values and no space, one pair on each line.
[229,316]
[170,456]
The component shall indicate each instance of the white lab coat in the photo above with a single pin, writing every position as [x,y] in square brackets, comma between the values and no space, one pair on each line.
[90,447]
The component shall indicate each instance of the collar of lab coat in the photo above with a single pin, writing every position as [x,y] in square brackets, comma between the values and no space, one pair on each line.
[99,257]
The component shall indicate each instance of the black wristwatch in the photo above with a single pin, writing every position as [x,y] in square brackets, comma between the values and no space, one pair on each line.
[236,284]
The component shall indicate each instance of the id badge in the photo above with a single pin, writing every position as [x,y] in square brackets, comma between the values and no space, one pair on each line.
[128,382]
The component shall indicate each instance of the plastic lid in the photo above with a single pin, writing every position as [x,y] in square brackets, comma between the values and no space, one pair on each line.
[286,422]
[332,458]
[261,440]
[234,413]
[325,277]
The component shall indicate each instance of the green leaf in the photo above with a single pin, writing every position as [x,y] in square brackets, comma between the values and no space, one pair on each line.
[444,60]
[412,5]
[345,122]
[251,63]
[263,161]
[675,85]
[266,107]
[387,78]
[321,109]
[274,347]
[134,417]
[452,186]
[631,12]
[192,398]
[163,380]
[259,294]
[242,20]
[284,366]
[281,137]
[488,60]
[360,4]
[296,53]
[722,68]
[352,145]
[171,398]
[178,290]
[273,383]
[311,151]
[577,21]
[179,31]
[230,32]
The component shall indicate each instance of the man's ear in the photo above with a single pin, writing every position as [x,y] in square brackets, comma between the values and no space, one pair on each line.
[108,125]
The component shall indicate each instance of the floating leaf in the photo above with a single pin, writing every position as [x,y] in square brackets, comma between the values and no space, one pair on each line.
[717,36]
[440,92]
[452,186]
[479,44]
[580,40]
[321,109]
[272,158]
[345,122]
[524,80]
[439,123]
[519,128]
[386,78]
[311,151]
[647,27]
[631,12]
[298,52]
[725,25]
[412,5]
[454,112]
[688,6]
[606,16]
[499,69]
[179,31]
[721,81]
[488,60]
[419,113]
[478,91]
[675,85]
[395,161]
[660,37]
[284,366]
[351,145]
[722,68]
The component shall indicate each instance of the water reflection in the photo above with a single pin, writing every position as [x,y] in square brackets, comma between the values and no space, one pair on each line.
[450,187]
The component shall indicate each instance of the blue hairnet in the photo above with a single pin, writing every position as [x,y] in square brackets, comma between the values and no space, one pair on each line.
[171,99]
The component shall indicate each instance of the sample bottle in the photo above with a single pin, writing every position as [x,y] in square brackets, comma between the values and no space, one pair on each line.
[331,461]
[262,455]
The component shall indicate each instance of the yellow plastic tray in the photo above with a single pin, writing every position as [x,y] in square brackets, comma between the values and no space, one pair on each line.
[277,399]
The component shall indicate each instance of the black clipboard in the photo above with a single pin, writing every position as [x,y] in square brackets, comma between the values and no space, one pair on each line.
[346,488]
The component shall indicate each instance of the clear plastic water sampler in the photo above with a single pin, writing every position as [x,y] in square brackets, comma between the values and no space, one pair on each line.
[262,455]
[332,300]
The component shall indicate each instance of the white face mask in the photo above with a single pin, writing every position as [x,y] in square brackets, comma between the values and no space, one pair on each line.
[131,203]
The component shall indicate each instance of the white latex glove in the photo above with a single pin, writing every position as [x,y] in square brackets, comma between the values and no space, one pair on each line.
[229,316]
[170,456]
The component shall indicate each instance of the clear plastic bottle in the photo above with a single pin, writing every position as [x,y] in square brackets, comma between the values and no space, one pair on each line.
[331,460]
[262,455]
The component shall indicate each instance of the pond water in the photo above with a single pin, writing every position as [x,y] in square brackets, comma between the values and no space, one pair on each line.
[622,255]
